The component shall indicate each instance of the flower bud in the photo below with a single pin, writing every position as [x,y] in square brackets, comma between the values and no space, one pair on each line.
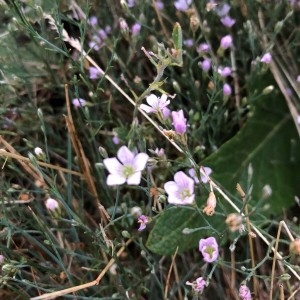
[295,247]
[234,222]
[210,204]
[267,90]
[194,23]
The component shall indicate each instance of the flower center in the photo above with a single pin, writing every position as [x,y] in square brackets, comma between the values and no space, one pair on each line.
[127,170]
[184,193]
[210,251]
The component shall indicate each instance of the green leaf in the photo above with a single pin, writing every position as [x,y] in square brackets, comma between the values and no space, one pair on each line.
[177,41]
[177,36]
[167,233]
[270,143]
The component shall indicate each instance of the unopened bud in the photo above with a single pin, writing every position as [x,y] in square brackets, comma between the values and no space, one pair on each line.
[210,204]
[103,152]
[194,23]
[295,247]
[240,191]
[285,277]
[266,191]
[267,90]
[234,222]
[125,234]
[124,27]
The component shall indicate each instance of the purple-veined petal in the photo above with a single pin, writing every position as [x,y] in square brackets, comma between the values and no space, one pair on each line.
[183,180]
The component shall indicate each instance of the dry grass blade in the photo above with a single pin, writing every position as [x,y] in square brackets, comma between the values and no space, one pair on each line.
[74,289]
[82,159]
[25,163]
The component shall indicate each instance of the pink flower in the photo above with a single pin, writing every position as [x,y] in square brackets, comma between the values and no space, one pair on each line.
[131,3]
[209,249]
[193,174]
[227,91]
[156,104]
[203,48]
[182,5]
[227,21]
[267,57]
[116,140]
[143,220]
[188,42]
[159,5]
[205,64]
[179,121]
[51,204]
[226,42]
[93,21]
[224,72]
[244,293]
[159,152]
[94,73]
[126,167]
[222,10]
[135,29]
[198,285]
[78,102]
[181,190]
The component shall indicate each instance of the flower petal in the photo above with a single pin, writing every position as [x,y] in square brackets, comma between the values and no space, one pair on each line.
[112,165]
[125,155]
[114,179]
[134,179]
[146,108]
[140,161]
[151,100]
[184,181]
[170,187]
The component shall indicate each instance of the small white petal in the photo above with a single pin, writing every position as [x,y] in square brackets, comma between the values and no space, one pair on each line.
[115,179]
[170,187]
[151,99]
[140,161]
[134,179]
[112,165]
[125,155]
[146,108]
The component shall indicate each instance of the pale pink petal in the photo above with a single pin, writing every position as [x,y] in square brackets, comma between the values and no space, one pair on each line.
[134,179]
[151,100]
[115,179]
[172,199]
[125,155]
[171,187]
[146,108]
[140,161]
[112,165]
[183,180]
